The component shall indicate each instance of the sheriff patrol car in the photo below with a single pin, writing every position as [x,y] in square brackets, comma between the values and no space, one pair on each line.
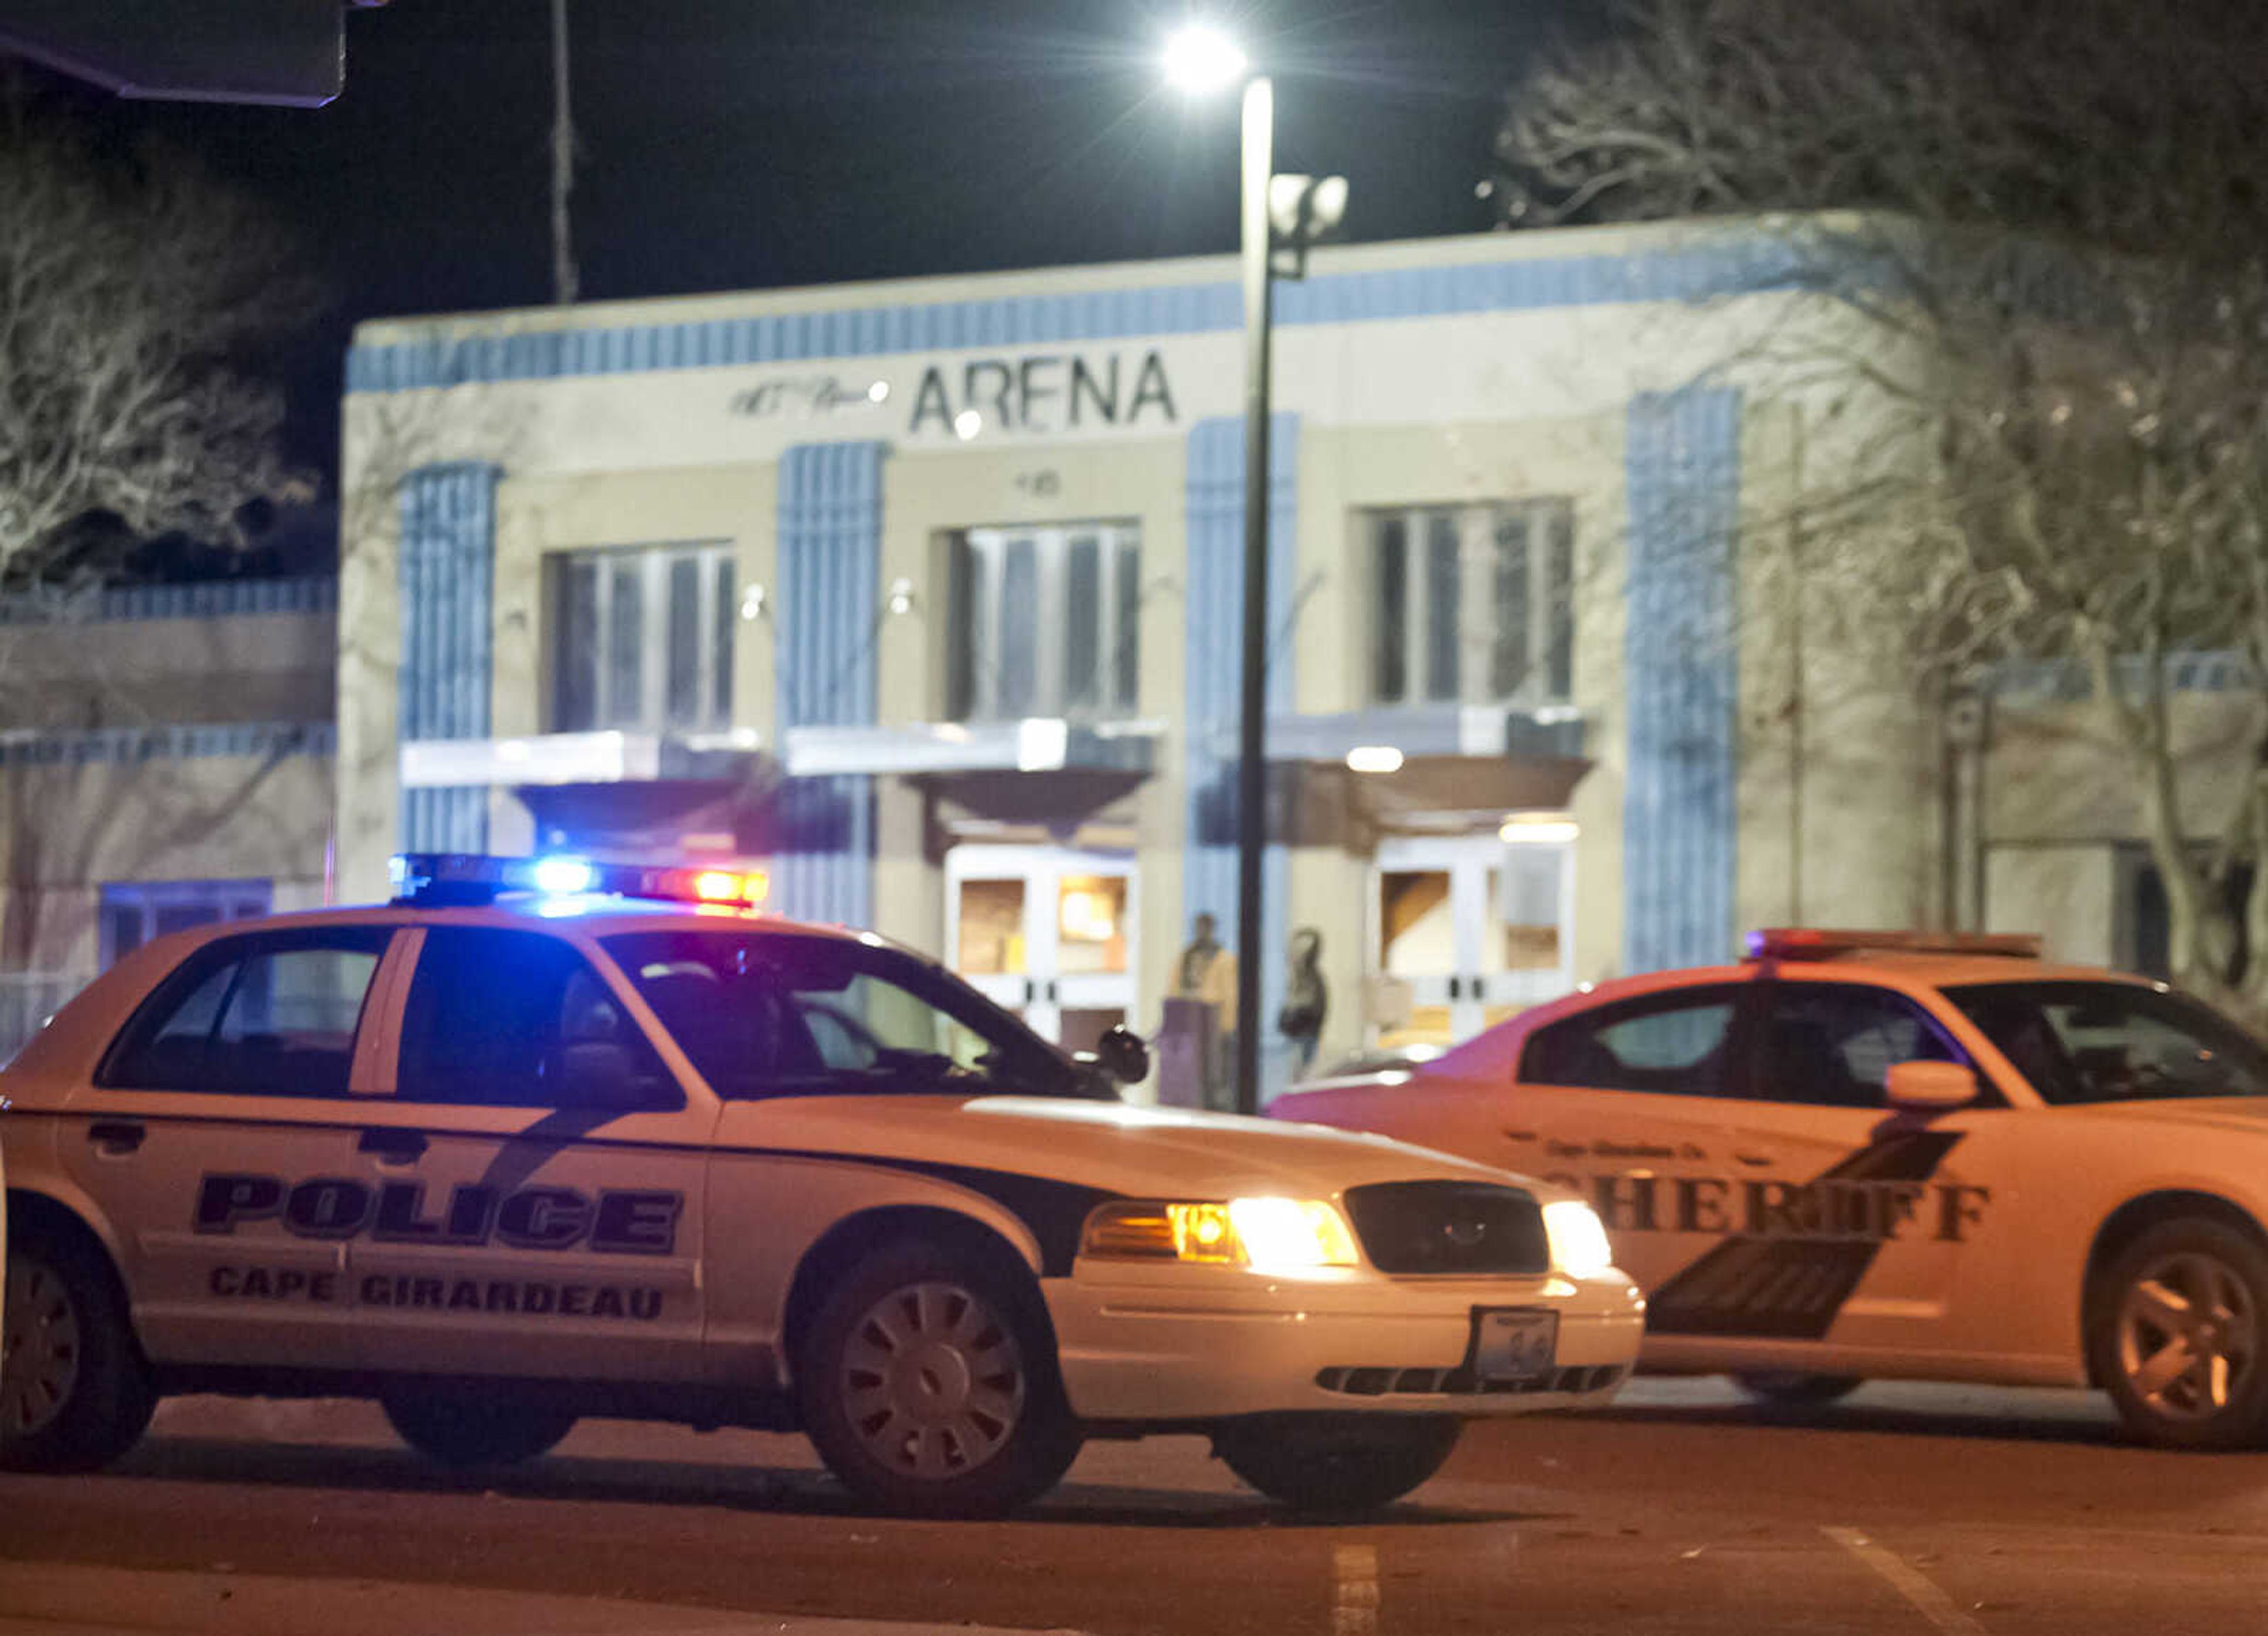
[547,1139]
[1867,1154]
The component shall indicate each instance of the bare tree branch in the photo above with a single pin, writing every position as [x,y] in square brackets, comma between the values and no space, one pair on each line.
[130,301]
[2043,228]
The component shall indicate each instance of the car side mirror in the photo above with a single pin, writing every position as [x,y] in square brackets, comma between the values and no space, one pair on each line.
[1121,1054]
[1930,1086]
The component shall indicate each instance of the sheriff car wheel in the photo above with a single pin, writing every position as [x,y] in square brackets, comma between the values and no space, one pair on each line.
[929,1385]
[471,1431]
[1789,1388]
[1334,1463]
[2176,1327]
[74,1394]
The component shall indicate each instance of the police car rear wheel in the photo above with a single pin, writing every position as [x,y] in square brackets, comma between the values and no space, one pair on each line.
[1789,1389]
[2178,1321]
[1334,1463]
[74,1393]
[473,1431]
[928,1384]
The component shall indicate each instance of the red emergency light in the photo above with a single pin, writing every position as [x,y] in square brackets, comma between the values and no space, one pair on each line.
[1824,943]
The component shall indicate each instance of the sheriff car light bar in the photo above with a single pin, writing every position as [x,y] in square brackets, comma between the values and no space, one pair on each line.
[1821,943]
[462,878]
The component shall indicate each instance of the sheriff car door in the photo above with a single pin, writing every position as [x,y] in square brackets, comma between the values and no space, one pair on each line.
[1621,1103]
[218,1137]
[1849,1224]
[540,1174]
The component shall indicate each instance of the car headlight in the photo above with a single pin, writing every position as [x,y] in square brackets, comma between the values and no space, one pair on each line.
[1578,1238]
[1268,1234]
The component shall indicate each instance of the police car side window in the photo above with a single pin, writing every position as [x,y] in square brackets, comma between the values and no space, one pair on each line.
[261,1016]
[768,1014]
[1832,1045]
[1677,1045]
[503,1019]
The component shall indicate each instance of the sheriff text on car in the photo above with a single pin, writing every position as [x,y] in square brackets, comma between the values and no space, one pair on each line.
[549,1138]
[1864,1154]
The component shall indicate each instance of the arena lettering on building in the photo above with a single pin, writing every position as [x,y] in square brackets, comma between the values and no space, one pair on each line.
[1046,392]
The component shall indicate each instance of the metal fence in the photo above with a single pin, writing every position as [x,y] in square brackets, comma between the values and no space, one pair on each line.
[28,998]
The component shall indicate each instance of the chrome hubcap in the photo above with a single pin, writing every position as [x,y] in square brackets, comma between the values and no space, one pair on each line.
[932,1380]
[2187,1336]
[38,1348]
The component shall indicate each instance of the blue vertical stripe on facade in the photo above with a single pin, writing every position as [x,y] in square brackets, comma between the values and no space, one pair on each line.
[831,550]
[447,568]
[1212,671]
[1681,661]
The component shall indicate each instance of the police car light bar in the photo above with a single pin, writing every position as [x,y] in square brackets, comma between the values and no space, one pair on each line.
[429,877]
[1821,943]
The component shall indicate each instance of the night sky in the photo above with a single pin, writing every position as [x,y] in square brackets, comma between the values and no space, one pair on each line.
[737,144]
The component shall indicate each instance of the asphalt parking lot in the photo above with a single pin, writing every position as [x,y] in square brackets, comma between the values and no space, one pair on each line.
[1906,1510]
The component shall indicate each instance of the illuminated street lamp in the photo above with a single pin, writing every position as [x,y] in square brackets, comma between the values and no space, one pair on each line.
[1199,59]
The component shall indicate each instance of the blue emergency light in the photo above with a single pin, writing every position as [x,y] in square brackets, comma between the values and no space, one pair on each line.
[430,879]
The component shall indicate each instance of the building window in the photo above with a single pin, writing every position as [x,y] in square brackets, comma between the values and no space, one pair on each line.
[1472,604]
[135,912]
[1044,622]
[642,640]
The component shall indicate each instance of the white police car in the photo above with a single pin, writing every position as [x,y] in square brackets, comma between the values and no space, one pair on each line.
[502,1157]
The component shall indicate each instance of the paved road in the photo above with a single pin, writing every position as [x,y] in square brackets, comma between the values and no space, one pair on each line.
[1907,1509]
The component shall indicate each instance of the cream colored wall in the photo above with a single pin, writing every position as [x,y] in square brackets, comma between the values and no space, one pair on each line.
[367,773]
[1602,532]
[2054,770]
[2065,894]
[538,516]
[66,829]
[2058,797]
[1839,779]
[927,494]
[1344,471]
[126,673]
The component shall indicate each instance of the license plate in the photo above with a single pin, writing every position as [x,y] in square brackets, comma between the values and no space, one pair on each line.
[1514,1343]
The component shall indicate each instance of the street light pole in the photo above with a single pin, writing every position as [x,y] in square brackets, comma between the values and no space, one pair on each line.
[1251,735]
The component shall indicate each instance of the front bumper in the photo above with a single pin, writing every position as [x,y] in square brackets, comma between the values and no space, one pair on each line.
[1190,1345]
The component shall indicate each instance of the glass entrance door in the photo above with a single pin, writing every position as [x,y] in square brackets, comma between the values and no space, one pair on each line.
[1477,927]
[1047,932]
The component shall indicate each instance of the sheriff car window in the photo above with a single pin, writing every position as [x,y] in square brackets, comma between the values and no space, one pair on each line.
[766,1015]
[1676,1043]
[497,1018]
[2114,1042]
[261,1016]
[1832,1044]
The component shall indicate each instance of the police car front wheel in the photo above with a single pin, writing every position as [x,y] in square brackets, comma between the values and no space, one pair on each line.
[74,1391]
[929,1385]
[1336,1463]
[472,1431]
[2178,1321]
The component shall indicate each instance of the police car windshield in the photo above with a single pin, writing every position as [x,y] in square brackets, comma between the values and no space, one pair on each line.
[2114,1042]
[765,1014]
